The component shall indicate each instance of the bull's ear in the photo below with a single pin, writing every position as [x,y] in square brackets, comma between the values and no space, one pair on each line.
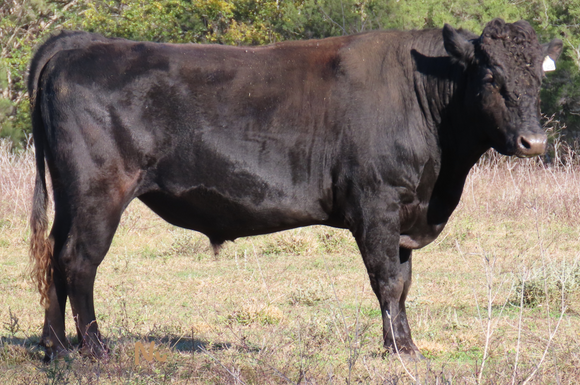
[457,46]
[552,51]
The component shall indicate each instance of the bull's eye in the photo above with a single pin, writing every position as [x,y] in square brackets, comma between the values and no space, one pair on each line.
[488,78]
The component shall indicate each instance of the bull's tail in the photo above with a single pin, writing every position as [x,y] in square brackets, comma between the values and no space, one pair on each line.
[41,247]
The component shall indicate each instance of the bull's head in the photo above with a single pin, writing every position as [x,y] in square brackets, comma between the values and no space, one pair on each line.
[505,66]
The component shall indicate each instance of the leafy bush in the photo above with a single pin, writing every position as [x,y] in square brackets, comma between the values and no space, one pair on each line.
[553,285]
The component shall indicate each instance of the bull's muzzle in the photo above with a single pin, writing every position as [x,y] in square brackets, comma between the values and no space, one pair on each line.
[531,145]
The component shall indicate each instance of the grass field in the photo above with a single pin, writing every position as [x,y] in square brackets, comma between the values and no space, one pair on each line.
[495,299]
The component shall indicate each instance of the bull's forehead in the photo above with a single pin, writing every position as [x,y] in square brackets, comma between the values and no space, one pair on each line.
[514,48]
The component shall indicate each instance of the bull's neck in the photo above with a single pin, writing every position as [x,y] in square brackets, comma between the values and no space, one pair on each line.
[438,84]
[440,88]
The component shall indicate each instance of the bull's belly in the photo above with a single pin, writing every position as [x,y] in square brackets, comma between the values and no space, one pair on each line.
[223,219]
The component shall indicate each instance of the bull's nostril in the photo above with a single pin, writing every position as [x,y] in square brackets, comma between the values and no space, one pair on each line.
[524,143]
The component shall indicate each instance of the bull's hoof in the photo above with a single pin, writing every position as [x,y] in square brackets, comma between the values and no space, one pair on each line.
[52,351]
[91,351]
[51,354]
[96,351]
[411,354]
[415,356]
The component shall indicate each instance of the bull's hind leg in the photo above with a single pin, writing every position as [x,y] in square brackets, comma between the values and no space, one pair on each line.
[389,269]
[53,333]
[82,236]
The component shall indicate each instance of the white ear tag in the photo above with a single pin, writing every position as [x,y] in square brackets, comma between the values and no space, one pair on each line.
[549,64]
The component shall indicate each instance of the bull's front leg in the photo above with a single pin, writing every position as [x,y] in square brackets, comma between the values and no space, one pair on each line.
[389,269]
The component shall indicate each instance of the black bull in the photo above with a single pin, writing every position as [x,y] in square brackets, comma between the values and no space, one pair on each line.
[374,133]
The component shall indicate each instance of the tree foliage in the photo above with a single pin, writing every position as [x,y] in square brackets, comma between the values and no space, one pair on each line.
[25,23]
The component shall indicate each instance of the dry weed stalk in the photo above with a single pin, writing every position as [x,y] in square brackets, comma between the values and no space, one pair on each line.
[491,323]
[17,172]
[551,334]
[397,350]
[232,372]
[520,315]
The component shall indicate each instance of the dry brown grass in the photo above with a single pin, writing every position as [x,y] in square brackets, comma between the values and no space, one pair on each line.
[296,307]
[17,174]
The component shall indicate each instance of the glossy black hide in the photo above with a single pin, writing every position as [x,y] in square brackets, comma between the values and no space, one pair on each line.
[373,132]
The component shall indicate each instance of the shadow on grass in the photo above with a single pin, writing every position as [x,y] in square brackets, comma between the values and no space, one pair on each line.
[16,348]
[184,344]
[28,341]
[29,347]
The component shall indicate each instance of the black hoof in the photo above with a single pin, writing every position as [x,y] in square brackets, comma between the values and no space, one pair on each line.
[51,354]
[97,351]
[408,354]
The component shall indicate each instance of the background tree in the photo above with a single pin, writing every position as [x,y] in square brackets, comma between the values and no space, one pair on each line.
[22,24]
[561,90]
[25,23]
